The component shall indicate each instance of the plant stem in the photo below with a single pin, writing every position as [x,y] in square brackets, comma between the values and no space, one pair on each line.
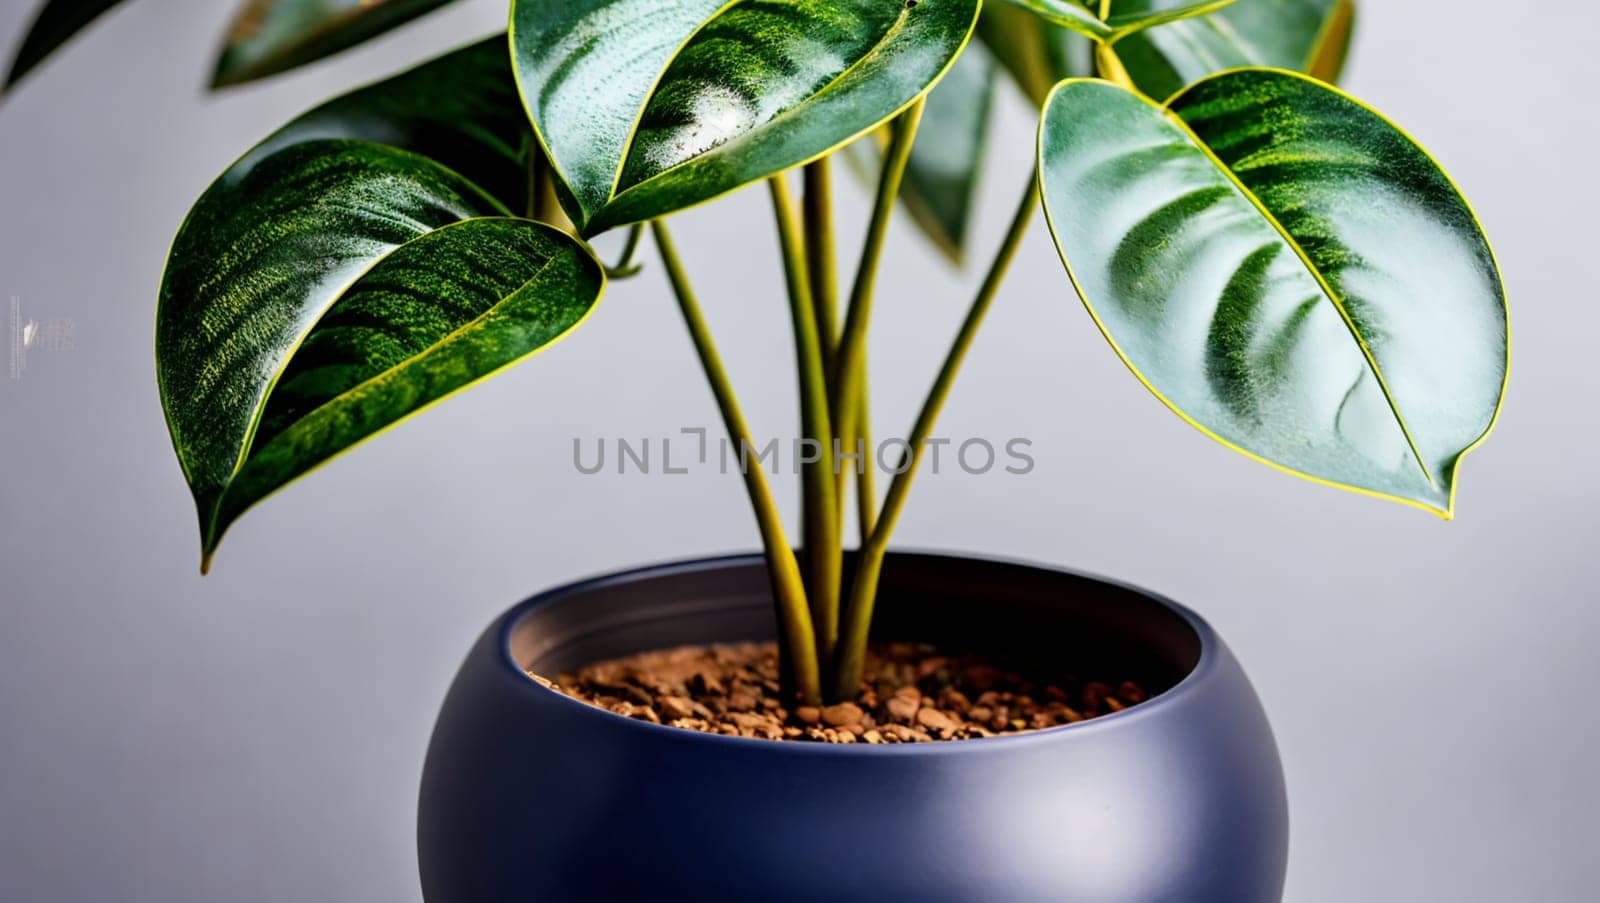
[848,383]
[543,204]
[541,186]
[863,591]
[625,268]
[794,619]
[866,484]
[1109,66]
[537,174]
[817,211]
[820,514]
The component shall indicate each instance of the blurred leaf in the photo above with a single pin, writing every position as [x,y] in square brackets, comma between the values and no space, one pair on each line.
[942,174]
[1125,25]
[273,36]
[1068,14]
[460,110]
[1287,271]
[1309,36]
[1036,53]
[57,22]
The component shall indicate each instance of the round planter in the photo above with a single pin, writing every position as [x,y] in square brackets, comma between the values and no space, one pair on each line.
[531,796]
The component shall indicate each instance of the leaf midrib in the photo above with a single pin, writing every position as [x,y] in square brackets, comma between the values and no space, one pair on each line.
[1305,259]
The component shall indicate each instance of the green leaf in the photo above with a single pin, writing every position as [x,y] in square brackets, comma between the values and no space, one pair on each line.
[1068,14]
[1286,270]
[460,110]
[335,280]
[57,22]
[273,36]
[941,177]
[1128,24]
[1310,36]
[941,181]
[759,88]
[585,69]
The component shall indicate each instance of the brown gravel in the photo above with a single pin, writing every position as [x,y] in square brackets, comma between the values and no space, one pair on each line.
[911,693]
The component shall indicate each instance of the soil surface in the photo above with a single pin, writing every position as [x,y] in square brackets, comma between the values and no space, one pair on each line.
[911,693]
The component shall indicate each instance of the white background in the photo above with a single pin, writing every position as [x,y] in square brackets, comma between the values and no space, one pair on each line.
[258,735]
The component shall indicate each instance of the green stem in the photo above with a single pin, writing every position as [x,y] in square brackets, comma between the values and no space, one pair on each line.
[866,482]
[820,515]
[863,591]
[625,267]
[536,176]
[543,205]
[848,383]
[794,619]
[1108,65]
[817,211]
[541,188]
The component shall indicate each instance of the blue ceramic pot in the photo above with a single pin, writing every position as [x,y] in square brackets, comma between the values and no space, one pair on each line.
[531,796]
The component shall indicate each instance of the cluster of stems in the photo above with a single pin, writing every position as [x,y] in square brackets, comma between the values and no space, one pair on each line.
[823,620]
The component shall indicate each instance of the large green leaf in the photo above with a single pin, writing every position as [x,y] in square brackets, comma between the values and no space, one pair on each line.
[272,36]
[585,69]
[1286,270]
[1310,36]
[57,22]
[759,88]
[941,179]
[335,280]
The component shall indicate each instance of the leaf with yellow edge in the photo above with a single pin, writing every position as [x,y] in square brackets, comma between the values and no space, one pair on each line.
[1287,271]
[356,267]
[758,88]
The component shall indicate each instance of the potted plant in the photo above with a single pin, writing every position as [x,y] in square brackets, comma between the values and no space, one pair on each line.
[1278,263]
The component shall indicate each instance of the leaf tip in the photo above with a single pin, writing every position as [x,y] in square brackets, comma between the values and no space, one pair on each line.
[208,550]
[14,75]
[225,75]
[210,539]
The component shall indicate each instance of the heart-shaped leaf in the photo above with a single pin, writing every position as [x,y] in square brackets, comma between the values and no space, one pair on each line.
[273,36]
[756,89]
[57,22]
[1286,270]
[335,281]
[1310,36]
[941,177]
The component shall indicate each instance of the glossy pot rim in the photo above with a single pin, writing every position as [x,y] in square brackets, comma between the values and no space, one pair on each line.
[1190,685]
